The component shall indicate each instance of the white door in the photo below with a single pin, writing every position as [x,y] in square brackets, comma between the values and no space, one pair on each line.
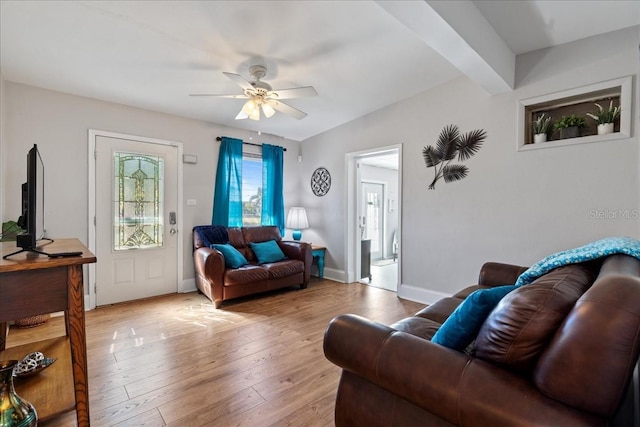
[136,225]
[373,216]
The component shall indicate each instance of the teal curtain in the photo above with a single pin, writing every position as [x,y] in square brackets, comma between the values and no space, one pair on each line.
[272,186]
[227,199]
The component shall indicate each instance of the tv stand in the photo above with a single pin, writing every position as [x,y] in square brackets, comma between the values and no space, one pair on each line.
[37,285]
[38,251]
[19,251]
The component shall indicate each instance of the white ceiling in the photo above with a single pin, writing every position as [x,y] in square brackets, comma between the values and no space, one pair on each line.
[359,55]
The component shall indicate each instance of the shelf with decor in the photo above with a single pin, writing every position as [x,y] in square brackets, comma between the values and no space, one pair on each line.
[57,380]
[574,107]
[32,285]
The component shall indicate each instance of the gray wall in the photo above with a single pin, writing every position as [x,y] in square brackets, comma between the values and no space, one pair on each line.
[59,124]
[514,206]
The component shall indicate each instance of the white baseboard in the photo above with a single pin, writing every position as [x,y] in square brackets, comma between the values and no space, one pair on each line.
[187,285]
[412,293]
[421,295]
[335,275]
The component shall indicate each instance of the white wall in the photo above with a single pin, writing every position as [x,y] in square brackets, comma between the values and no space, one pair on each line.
[59,124]
[514,206]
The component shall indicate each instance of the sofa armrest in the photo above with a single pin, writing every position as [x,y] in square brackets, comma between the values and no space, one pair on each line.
[497,274]
[300,251]
[398,362]
[209,271]
[451,385]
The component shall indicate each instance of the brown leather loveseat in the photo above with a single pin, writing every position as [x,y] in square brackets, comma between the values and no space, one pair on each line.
[219,282]
[560,351]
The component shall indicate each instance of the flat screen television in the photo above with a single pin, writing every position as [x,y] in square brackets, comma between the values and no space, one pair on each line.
[32,219]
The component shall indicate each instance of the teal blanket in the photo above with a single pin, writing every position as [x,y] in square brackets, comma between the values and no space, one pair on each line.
[588,252]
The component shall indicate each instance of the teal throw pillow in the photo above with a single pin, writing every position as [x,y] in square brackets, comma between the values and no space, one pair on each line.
[232,257]
[268,251]
[462,326]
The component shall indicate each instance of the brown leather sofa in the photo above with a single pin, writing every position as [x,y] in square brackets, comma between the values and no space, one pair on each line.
[560,351]
[220,283]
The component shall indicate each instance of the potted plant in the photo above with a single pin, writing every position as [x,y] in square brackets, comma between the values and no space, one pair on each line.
[541,128]
[605,118]
[569,126]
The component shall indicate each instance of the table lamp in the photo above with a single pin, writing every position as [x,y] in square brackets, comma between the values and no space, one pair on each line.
[297,220]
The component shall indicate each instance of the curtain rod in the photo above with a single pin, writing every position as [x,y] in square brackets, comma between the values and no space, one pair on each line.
[219,138]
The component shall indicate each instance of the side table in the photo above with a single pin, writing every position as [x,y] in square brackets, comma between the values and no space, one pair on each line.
[32,285]
[318,256]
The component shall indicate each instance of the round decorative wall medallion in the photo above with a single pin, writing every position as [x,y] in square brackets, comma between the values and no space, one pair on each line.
[320,182]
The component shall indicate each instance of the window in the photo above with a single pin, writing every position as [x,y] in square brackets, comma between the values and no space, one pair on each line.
[138,201]
[251,189]
[248,187]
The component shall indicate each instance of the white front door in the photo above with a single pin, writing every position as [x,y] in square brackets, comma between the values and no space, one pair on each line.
[373,216]
[136,219]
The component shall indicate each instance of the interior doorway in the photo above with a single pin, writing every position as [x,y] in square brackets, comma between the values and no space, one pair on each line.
[373,217]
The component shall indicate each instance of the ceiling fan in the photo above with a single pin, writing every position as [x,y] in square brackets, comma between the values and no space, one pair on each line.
[261,96]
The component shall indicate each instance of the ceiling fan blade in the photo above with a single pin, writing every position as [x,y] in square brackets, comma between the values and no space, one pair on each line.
[296,92]
[242,115]
[219,96]
[287,109]
[240,81]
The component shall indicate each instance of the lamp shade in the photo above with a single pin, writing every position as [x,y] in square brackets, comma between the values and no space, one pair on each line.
[297,219]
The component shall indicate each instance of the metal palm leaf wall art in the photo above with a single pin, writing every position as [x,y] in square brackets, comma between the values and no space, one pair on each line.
[451,144]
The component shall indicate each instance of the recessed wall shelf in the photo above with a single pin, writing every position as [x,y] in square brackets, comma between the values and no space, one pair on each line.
[577,101]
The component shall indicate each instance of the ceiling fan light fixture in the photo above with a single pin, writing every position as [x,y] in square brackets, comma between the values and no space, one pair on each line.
[255,115]
[250,107]
[268,110]
[261,96]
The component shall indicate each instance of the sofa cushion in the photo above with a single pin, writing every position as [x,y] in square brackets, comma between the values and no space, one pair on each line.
[284,268]
[236,237]
[268,251]
[232,258]
[262,233]
[461,327]
[519,328]
[440,310]
[246,274]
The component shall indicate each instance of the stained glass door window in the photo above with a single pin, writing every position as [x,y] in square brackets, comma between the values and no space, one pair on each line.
[138,201]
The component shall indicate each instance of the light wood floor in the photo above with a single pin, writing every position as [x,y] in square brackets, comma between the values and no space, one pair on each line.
[177,361]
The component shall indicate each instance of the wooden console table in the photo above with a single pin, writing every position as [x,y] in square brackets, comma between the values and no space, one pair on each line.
[32,284]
